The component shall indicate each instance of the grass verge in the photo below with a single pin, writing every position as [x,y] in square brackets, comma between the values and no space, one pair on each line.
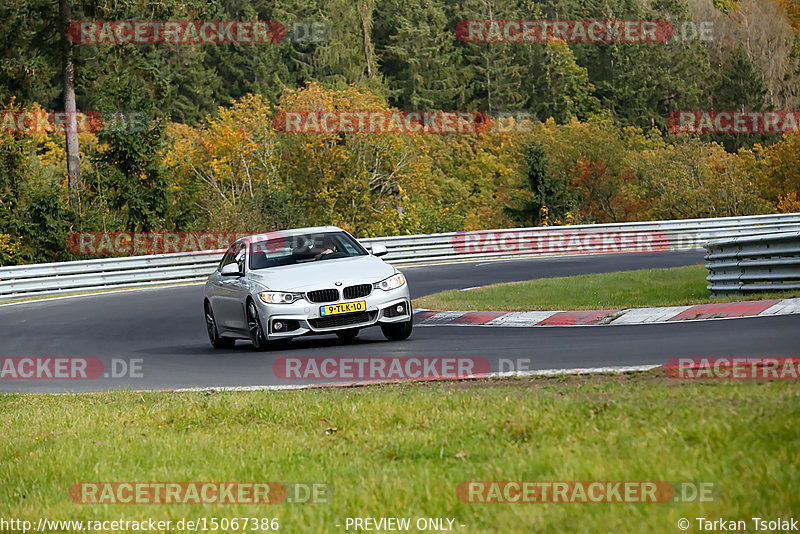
[401,450]
[678,286]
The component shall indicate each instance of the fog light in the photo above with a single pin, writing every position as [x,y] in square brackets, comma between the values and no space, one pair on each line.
[400,308]
[277,325]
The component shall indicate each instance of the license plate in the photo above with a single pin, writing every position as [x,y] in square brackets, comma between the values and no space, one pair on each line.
[344,307]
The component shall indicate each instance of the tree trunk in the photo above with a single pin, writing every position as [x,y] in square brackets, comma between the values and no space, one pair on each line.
[71,126]
[365,11]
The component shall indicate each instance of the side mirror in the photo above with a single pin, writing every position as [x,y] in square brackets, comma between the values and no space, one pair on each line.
[231,269]
[379,250]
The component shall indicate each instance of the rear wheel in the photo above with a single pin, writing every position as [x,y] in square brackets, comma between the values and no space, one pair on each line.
[254,326]
[397,331]
[217,341]
[347,335]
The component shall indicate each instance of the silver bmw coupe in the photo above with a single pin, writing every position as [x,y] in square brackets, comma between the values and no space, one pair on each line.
[305,281]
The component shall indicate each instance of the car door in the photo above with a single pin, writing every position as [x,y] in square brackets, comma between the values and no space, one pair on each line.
[231,292]
[215,283]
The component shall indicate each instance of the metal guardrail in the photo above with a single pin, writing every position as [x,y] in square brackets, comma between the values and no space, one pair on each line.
[752,264]
[161,269]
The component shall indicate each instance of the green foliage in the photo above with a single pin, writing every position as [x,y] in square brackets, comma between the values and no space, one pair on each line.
[45,225]
[420,62]
[566,92]
[726,6]
[547,196]
[497,75]
[740,88]
[129,176]
[34,217]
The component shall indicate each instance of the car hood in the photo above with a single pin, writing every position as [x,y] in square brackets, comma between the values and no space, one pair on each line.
[323,274]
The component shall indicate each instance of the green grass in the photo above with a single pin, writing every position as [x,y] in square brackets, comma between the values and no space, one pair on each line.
[400,450]
[628,289]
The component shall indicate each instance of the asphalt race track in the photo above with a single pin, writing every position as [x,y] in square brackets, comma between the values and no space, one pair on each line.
[163,330]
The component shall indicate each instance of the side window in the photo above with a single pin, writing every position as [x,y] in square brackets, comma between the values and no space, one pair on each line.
[240,256]
[229,257]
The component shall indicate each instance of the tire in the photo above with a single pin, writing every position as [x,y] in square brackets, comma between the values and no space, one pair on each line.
[347,335]
[217,341]
[254,326]
[397,331]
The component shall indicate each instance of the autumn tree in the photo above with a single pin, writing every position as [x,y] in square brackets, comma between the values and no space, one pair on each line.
[230,167]
[357,180]
[779,173]
[689,179]
[472,179]
[547,198]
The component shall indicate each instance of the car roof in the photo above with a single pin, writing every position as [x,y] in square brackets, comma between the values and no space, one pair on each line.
[290,233]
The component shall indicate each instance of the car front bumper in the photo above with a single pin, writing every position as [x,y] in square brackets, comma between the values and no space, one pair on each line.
[303,317]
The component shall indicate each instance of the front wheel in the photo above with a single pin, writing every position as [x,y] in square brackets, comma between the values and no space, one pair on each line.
[254,326]
[397,331]
[217,341]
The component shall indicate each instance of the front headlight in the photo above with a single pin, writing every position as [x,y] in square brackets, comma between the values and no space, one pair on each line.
[393,282]
[279,297]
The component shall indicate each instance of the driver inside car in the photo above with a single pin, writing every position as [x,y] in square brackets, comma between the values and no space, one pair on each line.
[327,246]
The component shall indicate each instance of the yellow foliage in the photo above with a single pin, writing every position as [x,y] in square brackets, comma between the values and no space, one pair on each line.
[8,247]
[52,149]
[789,203]
[362,182]
[7,244]
[379,184]
[231,153]
[792,8]
[779,171]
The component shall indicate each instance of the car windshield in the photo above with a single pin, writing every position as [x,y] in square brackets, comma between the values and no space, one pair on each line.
[290,250]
